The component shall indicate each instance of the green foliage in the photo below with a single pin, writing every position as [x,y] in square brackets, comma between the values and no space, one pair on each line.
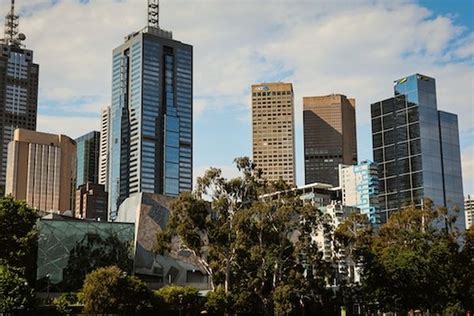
[284,299]
[218,301]
[93,252]
[15,293]
[63,303]
[18,236]
[111,290]
[183,298]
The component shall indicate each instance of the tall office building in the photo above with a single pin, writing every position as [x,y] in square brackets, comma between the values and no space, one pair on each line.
[151,115]
[18,88]
[360,188]
[42,170]
[469,210]
[329,126]
[273,130]
[87,158]
[417,148]
[104,147]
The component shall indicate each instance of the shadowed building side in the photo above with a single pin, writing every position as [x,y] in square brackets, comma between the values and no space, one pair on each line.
[329,137]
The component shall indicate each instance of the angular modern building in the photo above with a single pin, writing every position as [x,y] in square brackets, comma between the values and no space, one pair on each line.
[87,160]
[360,188]
[91,202]
[18,88]
[416,148]
[104,147]
[273,131]
[329,125]
[151,115]
[42,170]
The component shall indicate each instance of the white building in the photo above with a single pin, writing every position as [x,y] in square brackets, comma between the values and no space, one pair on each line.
[469,210]
[104,147]
[359,185]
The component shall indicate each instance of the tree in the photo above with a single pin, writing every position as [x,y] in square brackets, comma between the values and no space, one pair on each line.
[93,252]
[248,245]
[111,290]
[64,303]
[18,236]
[175,297]
[412,264]
[15,293]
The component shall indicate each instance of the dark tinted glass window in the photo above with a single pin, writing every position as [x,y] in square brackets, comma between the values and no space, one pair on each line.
[413,115]
[387,106]
[404,165]
[416,163]
[417,179]
[415,147]
[378,155]
[400,102]
[388,121]
[402,150]
[402,133]
[375,109]
[377,140]
[391,169]
[376,125]
[390,153]
[414,130]
[389,137]
[401,118]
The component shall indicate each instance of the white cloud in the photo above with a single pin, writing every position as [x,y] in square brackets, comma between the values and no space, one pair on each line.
[69,126]
[352,47]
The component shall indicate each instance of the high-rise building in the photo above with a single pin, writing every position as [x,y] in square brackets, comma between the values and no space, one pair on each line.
[87,158]
[360,188]
[469,210]
[416,148]
[151,115]
[104,147]
[42,170]
[329,126]
[274,130]
[91,202]
[18,88]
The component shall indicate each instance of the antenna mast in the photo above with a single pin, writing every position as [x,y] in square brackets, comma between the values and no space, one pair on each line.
[153,13]
[12,37]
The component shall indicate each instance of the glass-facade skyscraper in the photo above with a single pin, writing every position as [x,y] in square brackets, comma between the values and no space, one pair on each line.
[417,148]
[88,158]
[151,117]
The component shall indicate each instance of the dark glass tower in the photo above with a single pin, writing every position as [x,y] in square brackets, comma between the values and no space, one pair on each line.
[18,88]
[416,147]
[88,147]
[151,117]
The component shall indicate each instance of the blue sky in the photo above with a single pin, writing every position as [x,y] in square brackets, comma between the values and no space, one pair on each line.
[356,48]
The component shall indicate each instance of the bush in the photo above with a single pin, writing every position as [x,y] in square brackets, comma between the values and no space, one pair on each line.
[110,290]
[175,297]
[63,304]
[218,302]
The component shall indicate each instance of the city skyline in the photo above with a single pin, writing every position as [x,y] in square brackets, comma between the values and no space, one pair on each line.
[217,106]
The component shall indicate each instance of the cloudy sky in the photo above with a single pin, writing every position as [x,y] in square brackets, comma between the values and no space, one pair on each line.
[354,47]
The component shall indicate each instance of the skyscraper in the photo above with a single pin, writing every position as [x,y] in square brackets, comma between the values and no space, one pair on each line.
[87,158]
[151,115]
[104,147]
[329,126]
[42,170]
[360,188]
[18,88]
[417,148]
[273,130]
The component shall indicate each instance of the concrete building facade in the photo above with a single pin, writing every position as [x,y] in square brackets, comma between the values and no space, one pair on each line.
[329,126]
[42,170]
[469,210]
[273,131]
[104,147]
[91,202]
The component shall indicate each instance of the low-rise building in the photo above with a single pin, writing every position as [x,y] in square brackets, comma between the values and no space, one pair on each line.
[91,202]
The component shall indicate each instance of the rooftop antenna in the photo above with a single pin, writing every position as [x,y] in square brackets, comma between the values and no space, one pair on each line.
[12,36]
[153,13]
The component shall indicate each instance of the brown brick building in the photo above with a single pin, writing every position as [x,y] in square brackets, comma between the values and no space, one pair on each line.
[91,202]
[329,136]
[273,130]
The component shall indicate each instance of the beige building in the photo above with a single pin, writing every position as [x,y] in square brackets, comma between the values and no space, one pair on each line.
[41,170]
[273,131]
[329,126]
